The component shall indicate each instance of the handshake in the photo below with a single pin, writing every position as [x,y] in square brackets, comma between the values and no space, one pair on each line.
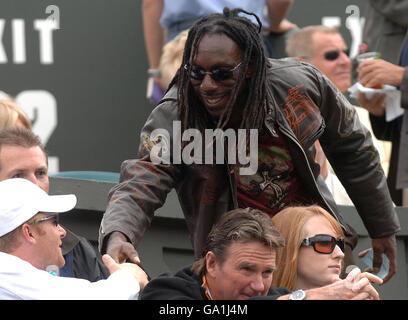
[136,271]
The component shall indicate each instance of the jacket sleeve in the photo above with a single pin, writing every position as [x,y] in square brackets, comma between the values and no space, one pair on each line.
[349,148]
[143,185]
[384,130]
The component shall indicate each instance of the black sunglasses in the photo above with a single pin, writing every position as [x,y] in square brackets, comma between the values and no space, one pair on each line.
[216,74]
[324,243]
[335,54]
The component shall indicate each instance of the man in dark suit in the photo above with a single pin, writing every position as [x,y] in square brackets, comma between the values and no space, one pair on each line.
[384,32]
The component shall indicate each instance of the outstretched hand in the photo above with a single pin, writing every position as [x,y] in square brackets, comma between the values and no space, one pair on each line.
[120,249]
[388,246]
[132,268]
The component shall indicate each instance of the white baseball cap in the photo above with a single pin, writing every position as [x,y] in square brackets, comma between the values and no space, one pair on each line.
[20,200]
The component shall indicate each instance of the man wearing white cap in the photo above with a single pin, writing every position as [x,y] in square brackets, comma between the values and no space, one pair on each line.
[30,242]
[22,155]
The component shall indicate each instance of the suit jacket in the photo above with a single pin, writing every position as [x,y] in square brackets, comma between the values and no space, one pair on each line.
[385,27]
[384,31]
[402,169]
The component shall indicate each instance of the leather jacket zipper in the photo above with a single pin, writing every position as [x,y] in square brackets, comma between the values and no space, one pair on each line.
[286,133]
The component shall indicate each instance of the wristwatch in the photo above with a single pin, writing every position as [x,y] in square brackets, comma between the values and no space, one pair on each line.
[298,295]
[155,73]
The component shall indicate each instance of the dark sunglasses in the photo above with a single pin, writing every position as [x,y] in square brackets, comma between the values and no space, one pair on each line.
[324,243]
[215,74]
[335,54]
[54,218]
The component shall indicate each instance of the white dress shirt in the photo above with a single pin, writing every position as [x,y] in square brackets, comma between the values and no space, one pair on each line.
[20,280]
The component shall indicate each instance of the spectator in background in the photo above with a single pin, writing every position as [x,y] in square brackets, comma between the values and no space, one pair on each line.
[385,28]
[22,155]
[306,264]
[171,58]
[238,263]
[170,62]
[163,20]
[226,82]
[11,115]
[325,48]
[30,243]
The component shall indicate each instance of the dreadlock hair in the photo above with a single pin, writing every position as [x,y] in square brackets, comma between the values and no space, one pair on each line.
[247,36]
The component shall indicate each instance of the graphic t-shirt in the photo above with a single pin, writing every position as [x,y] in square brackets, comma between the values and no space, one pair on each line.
[275,184]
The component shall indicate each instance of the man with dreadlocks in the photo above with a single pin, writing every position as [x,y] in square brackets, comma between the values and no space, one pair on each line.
[226,82]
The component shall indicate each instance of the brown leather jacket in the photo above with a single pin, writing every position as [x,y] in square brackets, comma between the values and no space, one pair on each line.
[305,106]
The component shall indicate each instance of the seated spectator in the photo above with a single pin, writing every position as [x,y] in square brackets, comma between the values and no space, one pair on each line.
[238,262]
[11,115]
[31,241]
[23,156]
[325,48]
[314,251]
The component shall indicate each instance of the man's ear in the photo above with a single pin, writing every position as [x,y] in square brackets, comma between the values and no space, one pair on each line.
[210,263]
[28,233]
